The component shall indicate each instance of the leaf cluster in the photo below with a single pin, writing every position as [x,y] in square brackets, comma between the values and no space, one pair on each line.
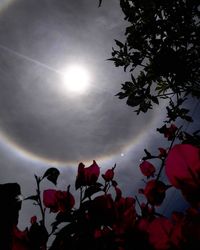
[161,50]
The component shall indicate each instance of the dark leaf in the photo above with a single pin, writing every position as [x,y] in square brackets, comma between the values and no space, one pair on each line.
[111,59]
[67,230]
[32,197]
[64,217]
[155,99]
[188,118]
[133,79]
[121,45]
[147,153]
[52,175]
[54,226]
[121,95]
[114,183]
[100,2]
[91,190]
[134,100]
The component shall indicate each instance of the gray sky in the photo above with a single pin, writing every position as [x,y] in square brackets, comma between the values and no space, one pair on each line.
[41,123]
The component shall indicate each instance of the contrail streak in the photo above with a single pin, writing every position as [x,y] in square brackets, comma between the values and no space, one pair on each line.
[29,59]
[60,73]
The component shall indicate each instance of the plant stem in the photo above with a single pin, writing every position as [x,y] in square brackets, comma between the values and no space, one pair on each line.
[38,180]
[81,195]
[163,161]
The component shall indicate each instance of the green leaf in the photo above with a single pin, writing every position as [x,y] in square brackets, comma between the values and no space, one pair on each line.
[52,175]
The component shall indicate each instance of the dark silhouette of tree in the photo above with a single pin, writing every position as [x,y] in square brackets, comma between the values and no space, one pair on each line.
[161,52]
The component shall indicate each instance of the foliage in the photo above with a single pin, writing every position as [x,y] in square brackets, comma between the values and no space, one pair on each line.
[161,52]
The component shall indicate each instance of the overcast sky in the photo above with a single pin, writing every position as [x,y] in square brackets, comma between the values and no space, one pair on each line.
[42,124]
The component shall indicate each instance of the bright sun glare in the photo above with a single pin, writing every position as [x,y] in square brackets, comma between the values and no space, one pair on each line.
[76,78]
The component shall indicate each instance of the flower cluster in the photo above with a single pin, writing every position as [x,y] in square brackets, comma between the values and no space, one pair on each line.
[105,219]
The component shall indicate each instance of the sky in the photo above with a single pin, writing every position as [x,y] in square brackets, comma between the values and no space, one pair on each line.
[42,123]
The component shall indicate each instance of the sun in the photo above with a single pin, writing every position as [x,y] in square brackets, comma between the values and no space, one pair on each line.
[76,79]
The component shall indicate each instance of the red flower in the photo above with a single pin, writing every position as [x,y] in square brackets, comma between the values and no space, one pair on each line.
[147,169]
[118,193]
[163,233]
[87,176]
[50,199]
[147,211]
[58,200]
[33,219]
[103,232]
[159,231]
[97,233]
[102,210]
[177,236]
[143,224]
[20,239]
[183,170]
[155,192]
[109,174]
[125,203]
[170,132]
[163,152]
[191,227]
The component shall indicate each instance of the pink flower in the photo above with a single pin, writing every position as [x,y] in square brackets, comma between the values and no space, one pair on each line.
[159,231]
[118,193]
[183,170]
[97,233]
[87,176]
[155,192]
[147,211]
[20,239]
[164,234]
[33,219]
[147,169]
[109,174]
[58,200]
[170,132]
[163,152]
[143,224]
[102,210]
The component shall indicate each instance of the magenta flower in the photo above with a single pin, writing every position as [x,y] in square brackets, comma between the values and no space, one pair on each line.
[33,220]
[109,174]
[87,176]
[170,132]
[159,231]
[20,239]
[155,192]
[61,201]
[163,152]
[183,170]
[102,210]
[147,169]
